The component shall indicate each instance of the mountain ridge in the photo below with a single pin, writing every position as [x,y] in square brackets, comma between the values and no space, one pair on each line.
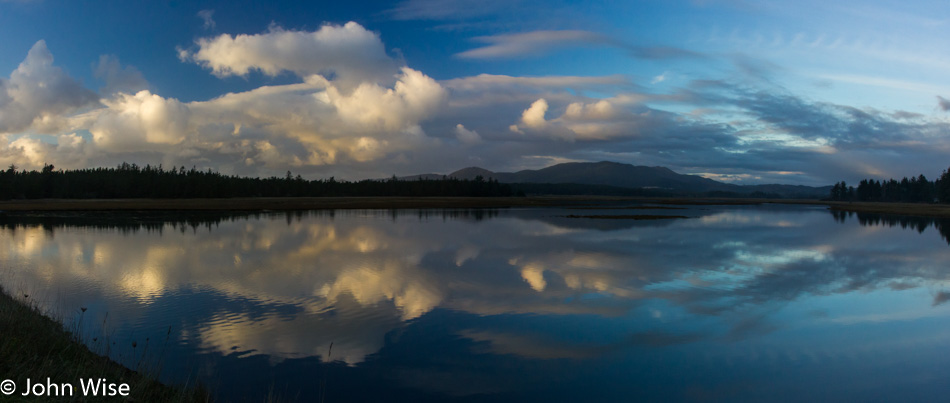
[621,175]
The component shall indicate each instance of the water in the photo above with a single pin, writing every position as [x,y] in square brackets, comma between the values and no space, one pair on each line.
[740,303]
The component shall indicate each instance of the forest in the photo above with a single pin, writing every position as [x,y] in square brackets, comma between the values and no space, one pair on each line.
[914,190]
[130,181]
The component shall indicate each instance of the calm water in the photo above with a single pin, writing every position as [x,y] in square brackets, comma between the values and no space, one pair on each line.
[733,303]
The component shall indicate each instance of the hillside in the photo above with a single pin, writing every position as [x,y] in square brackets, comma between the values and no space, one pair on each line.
[599,175]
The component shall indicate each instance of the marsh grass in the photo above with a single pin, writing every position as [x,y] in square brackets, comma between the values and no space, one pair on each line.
[34,346]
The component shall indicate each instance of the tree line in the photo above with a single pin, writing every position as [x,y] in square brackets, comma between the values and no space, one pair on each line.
[130,181]
[914,190]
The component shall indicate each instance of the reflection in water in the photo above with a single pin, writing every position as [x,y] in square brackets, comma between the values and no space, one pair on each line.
[920,224]
[740,304]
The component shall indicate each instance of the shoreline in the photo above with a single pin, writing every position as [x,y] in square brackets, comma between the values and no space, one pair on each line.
[326,203]
[38,350]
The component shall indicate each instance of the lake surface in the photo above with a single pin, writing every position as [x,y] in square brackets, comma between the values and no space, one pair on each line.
[734,303]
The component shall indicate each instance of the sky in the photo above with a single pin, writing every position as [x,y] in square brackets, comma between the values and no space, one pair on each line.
[806,92]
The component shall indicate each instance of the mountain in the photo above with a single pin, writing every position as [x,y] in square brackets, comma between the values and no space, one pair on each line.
[600,175]
[603,173]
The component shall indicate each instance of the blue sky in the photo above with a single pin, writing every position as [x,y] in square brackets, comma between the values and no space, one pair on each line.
[806,92]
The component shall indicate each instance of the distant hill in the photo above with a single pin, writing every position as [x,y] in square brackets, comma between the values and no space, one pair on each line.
[608,176]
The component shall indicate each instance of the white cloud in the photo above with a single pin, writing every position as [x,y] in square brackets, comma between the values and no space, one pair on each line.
[38,95]
[318,122]
[531,43]
[68,151]
[596,120]
[494,82]
[467,136]
[273,127]
[352,117]
[348,54]
[600,110]
[414,96]
[139,122]
[533,117]
[533,274]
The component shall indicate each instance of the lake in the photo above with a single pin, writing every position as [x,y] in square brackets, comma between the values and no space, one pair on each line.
[733,303]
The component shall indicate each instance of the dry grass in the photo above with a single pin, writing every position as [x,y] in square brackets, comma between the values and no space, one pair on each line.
[34,346]
[910,209]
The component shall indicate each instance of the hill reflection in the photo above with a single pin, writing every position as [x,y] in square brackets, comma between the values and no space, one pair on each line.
[510,283]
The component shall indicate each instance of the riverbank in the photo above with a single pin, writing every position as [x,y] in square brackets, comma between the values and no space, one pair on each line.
[322,203]
[36,350]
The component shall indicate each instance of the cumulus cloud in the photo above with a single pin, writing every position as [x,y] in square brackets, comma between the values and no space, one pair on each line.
[344,117]
[137,122]
[533,117]
[596,120]
[68,151]
[308,124]
[414,96]
[327,126]
[38,95]
[356,113]
[348,54]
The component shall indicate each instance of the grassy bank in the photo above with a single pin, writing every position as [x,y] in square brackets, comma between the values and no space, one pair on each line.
[35,347]
[318,203]
[912,209]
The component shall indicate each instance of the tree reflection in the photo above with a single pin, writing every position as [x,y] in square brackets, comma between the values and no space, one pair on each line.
[920,224]
[518,284]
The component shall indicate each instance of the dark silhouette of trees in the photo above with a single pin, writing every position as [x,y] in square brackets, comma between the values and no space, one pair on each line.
[913,190]
[841,191]
[130,181]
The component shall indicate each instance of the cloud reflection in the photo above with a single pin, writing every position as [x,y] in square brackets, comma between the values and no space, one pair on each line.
[291,287]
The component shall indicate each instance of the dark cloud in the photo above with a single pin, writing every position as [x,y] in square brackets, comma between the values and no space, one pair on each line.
[844,126]
[943,103]
[941,297]
[118,78]
[750,326]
